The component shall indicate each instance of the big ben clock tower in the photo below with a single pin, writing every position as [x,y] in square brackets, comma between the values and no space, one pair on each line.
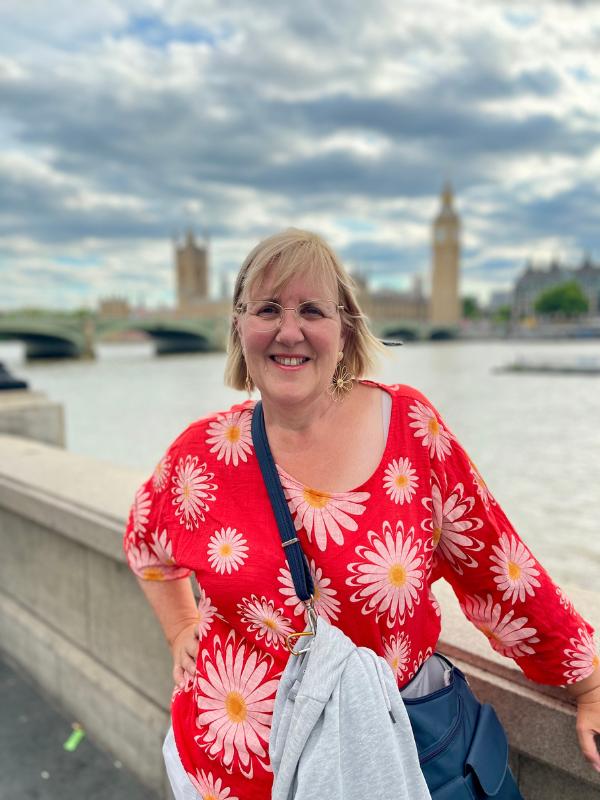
[444,305]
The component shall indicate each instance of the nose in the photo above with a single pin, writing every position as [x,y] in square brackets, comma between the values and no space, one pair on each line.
[289,331]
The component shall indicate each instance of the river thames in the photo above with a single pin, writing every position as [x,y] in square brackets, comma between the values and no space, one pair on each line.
[534,437]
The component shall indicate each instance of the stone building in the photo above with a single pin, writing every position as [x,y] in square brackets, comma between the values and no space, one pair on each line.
[534,281]
[444,308]
[114,308]
[384,307]
[191,266]
[389,307]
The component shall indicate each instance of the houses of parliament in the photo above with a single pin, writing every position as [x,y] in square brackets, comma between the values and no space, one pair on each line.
[441,309]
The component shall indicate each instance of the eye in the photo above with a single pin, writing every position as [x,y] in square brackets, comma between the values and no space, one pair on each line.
[266,310]
[312,310]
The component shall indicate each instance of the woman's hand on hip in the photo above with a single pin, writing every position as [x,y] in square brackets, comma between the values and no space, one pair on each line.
[587,697]
[184,649]
[588,726]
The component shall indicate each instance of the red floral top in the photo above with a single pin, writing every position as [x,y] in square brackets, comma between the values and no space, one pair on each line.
[374,553]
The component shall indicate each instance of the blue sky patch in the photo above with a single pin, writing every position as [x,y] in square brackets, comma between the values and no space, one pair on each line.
[155,32]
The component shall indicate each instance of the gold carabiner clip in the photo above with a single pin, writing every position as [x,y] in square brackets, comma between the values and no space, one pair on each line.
[292,638]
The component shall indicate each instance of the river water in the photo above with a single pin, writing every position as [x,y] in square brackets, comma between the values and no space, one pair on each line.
[534,437]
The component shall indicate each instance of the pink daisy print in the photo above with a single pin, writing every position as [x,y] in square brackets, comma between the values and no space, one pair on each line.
[515,570]
[389,576]
[192,491]
[322,514]
[419,661]
[508,636]
[206,614]
[227,550]
[160,476]
[400,480]
[208,788]
[230,436]
[451,526]
[481,486]
[434,602]
[326,603]
[396,651]
[264,620]
[235,688]
[163,548]
[141,510]
[430,430]
[582,657]
[145,564]
[564,600]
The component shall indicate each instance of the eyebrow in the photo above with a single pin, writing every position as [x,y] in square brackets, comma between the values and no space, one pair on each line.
[278,300]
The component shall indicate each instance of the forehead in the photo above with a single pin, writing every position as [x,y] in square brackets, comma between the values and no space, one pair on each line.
[309,284]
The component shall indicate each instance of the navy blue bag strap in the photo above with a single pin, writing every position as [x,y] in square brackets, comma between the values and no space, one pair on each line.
[303,582]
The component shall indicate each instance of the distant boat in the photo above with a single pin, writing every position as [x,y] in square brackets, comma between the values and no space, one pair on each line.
[584,365]
[7,381]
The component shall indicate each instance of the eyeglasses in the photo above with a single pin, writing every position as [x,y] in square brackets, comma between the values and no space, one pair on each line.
[266,315]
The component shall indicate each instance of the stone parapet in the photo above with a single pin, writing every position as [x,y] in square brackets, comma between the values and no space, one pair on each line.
[31,415]
[72,615]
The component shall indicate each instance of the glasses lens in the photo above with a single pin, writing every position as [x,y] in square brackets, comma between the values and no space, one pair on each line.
[263,314]
[313,311]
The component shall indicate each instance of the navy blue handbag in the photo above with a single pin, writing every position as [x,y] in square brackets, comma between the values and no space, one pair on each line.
[462,746]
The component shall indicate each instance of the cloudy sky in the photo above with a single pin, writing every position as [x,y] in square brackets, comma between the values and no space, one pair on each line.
[122,123]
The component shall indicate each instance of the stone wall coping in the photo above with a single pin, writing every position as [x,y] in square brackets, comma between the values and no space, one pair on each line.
[80,497]
[21,398]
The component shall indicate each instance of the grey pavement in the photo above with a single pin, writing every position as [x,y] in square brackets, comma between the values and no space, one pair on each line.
[33,762]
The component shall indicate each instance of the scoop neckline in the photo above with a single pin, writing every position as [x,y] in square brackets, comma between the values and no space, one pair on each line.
[384,456]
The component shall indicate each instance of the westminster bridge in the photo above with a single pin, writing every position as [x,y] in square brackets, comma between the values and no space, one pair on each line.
[48,335]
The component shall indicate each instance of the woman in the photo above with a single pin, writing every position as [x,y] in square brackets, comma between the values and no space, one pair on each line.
[397,505]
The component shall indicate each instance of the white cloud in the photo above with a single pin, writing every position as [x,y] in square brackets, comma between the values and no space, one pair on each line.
[128,121]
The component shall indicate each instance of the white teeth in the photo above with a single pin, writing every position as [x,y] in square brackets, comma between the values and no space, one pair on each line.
[289,362]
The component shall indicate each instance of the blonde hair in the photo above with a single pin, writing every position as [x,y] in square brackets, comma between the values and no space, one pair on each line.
[294,252]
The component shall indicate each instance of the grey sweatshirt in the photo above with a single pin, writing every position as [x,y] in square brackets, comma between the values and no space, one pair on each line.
[340,730]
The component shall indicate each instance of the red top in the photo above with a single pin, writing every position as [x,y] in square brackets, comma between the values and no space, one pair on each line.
[374,552]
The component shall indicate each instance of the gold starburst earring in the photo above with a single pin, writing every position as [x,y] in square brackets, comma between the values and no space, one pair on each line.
[342,380]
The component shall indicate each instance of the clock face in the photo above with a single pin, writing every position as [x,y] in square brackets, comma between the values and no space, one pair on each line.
[440,235]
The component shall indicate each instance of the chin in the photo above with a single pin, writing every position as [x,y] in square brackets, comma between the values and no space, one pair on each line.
[290,395]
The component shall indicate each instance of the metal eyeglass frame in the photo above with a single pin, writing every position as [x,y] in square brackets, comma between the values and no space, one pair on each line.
[241,309]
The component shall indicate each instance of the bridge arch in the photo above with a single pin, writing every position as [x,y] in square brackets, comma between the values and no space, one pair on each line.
[46,341]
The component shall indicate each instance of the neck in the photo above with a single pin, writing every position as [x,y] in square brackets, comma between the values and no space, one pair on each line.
[294,420]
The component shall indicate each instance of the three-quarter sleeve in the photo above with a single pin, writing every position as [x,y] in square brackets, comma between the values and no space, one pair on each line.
[502,588]
[149,536]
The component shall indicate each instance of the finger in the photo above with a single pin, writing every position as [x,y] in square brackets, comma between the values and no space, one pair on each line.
[587,742]
[178,676]
[189,663]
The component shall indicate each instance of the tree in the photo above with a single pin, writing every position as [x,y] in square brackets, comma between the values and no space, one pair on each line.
[502,314]
[470,308]
[566,299]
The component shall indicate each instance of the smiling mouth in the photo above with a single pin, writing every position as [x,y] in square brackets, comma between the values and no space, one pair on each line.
[289,361]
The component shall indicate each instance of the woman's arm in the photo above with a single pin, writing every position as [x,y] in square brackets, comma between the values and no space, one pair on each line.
[587,695]
[174,604]
[503,589]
